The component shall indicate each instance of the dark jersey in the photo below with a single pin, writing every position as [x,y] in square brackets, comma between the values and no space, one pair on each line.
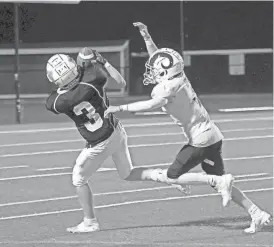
[85,105]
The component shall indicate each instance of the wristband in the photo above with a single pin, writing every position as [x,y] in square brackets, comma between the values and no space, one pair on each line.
[123,108]
[148,41]
[120,108]
[147,38]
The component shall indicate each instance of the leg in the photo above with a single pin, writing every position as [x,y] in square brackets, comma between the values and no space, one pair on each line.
[82,171]
[176,175]
[87,163]
[186,159]
[214,165]
[258,216]
[122,159]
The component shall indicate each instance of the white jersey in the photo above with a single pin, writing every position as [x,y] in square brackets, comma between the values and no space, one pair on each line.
[186,110]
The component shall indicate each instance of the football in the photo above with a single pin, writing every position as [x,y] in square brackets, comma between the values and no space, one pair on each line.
[86,57]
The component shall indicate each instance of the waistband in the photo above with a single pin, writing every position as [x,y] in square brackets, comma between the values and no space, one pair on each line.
[117,126]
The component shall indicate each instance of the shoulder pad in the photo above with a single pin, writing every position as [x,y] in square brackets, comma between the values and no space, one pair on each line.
[163,90]
[50,102]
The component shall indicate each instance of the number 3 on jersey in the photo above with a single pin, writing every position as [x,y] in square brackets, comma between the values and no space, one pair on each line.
[88,110]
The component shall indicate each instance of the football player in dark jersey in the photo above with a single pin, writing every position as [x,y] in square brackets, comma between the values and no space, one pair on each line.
[81,96]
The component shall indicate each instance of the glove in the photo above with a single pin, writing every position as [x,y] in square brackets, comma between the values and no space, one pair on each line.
[99,58]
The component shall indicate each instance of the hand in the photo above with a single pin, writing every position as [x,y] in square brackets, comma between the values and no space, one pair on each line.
[111,109]
[143,29]
[99,58]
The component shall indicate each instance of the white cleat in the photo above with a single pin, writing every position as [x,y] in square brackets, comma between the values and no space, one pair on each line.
[183,189]
[82,227]
[258,222]
[160,175]
[224,187]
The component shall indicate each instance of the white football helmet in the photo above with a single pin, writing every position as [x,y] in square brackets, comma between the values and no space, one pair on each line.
[164,64]
[61,70]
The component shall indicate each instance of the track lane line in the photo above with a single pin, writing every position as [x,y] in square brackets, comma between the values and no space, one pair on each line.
[248,176]
[136,125]
[126,203]
[114,169]
[130,146]
[12,167]
[130,243]
[129,136]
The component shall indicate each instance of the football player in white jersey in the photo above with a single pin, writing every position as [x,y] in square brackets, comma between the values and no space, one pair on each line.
[174,93]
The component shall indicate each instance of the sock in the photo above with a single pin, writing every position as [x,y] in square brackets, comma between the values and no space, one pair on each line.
[160,175]
[197,178]
[88,221]
[254,210]
[212,180]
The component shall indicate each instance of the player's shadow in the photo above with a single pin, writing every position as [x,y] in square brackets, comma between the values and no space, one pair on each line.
[229,223]
[235,223]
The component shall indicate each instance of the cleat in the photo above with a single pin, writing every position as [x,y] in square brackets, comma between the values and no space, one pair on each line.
[160,175]
[258,222]
[224,187]
[82,227]
[184,189]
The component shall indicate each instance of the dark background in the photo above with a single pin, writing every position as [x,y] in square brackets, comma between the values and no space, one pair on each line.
[207,25]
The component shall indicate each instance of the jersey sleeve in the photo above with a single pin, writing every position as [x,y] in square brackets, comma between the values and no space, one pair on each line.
[167,89]
[50,103]
[101,72]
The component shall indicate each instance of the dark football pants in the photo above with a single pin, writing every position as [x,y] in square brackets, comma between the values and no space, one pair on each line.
[189,157]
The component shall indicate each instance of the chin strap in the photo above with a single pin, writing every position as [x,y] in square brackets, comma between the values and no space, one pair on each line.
[176,76]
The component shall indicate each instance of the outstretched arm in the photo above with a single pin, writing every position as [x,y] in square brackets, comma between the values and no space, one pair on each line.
[138,106]
[151,47]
